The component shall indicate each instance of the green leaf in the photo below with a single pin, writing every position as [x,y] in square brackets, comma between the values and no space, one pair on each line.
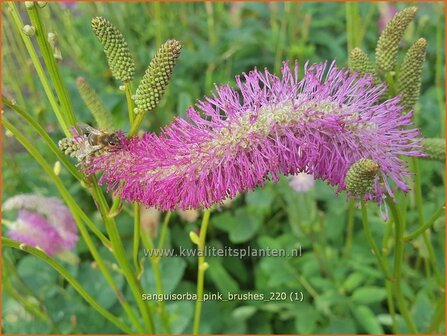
[306,319]
[37,275]
[96,285]
[171,269]
[368,295]
[422,310]
[366,318]
[221,278]
[353,281]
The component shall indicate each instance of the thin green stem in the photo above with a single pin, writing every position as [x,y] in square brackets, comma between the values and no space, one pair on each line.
[136,124]
[39,69]
[371,240]
[78,215]
[155,263]
[420,211]
[130,103]
[201,270]
[164,229]
[350,226]
[39,129]
[57,181]
[51,65]
[399,230]
[120,255]
[425,226]
[136,237]
[71,280]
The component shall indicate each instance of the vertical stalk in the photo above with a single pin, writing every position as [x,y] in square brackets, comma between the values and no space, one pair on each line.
[420,211]
[155,263]
[51,65]
[399,230]
[201,270]
[136,237]
[77,213]
[39,69]
[350,226]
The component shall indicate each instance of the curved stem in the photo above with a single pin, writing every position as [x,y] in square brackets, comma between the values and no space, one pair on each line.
[39,69]
[371,240]
[78,215]
[71,280]
[426,226]
[39,129]
[399,228]
[201,270]
[51,65]
[419,206]
[120,255]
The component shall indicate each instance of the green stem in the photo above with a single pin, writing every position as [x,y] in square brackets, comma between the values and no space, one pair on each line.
[136,237]
[164,229]
[78,215]
[120,255]
[57,181]
[51,65]
[201,270]
[439,70]
[155,263]
[399,230]
[420,211]
[350,226]
[39,129]
[39,69]
[71,280]
[130,103]
[425,226]
[136,124]
[371,240]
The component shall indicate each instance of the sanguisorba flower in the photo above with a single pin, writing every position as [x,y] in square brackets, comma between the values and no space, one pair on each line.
[235,140]
[42,222]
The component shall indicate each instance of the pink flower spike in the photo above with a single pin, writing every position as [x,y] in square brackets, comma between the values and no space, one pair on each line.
[236,140]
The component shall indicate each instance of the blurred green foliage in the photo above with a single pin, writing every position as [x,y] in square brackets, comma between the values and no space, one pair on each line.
[343,287]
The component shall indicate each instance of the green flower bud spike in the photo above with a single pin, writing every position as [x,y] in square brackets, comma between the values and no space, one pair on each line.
[361,176]
[388,44]
[102,115]
[115,47]
[409,79]
[359,61]
[435,148]
[157,76]
[69,147]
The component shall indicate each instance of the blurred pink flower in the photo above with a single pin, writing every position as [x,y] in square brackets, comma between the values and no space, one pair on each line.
[302,182]
[387,11]
[42,222]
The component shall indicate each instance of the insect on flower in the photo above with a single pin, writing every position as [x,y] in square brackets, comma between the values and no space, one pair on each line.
[89,142]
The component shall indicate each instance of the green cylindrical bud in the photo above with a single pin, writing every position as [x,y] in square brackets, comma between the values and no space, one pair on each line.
[410,74]
[435,148]
[361,176]
[388,44]
[157,76]
[69,147]
[29,30]
[359,62]
[115,47]
[102,115]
